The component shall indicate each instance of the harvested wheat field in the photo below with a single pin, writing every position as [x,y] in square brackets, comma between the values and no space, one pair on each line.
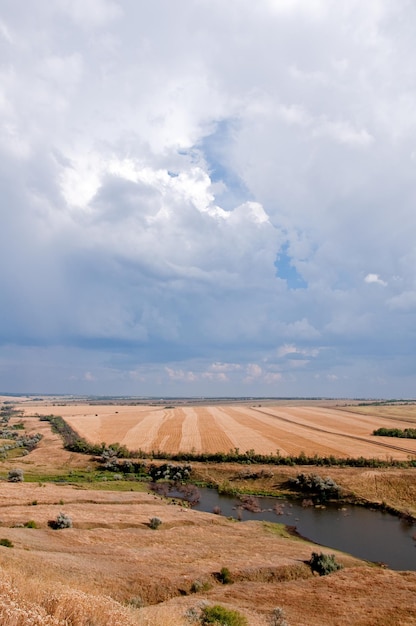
[288,429]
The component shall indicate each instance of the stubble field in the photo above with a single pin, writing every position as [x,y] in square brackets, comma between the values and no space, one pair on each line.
[338,431]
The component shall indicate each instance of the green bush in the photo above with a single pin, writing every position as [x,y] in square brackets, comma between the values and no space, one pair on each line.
[224,576]
[6,543]
[324,564]
[221,616]
[30,524]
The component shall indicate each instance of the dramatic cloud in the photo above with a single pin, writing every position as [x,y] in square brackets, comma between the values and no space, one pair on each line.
[207,198]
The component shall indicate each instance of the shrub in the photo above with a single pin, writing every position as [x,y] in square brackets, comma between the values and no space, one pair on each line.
[324,488]
[155,522]
[6,543]
[167,471]
[324,564]
[221,616]
[62,521]
[199,585]
[225,488]
[30,524]
[224,576]
[15,476]
[137,602]
[278,618]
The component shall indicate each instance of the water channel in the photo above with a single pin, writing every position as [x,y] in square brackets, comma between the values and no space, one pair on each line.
[367,534]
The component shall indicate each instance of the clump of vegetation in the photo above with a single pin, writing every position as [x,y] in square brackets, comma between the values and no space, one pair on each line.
[250,503]
[250,475]
[30,524]
[62,521]
[323,488]
[110,460]
[15,476]
[200,585]
[137,602]
[167,471]
[278,618]
[324,564]
[227,489]
[407,433]
[25,442]
[219,615]
[6,543]
[155,522]
[7,411]
[224,576]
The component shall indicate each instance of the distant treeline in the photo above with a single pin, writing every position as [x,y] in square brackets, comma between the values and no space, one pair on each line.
[407,433]
[75,443]
[387,403]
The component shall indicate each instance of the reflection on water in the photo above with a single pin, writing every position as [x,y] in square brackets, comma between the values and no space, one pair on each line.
[367,534]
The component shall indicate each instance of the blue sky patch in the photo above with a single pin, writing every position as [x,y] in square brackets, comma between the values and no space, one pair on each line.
[214,148]
[287,271]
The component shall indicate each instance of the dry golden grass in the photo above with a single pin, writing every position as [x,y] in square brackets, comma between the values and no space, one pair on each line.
[29,603]
[87,575]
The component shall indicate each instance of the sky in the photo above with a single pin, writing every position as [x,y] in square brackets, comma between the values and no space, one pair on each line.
[208,198]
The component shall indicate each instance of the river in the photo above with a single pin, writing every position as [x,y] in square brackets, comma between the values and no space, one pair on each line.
[367,534]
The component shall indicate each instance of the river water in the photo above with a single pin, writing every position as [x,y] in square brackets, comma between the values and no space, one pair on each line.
[367,534]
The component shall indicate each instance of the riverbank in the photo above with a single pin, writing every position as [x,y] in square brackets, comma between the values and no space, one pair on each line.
[389,489]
